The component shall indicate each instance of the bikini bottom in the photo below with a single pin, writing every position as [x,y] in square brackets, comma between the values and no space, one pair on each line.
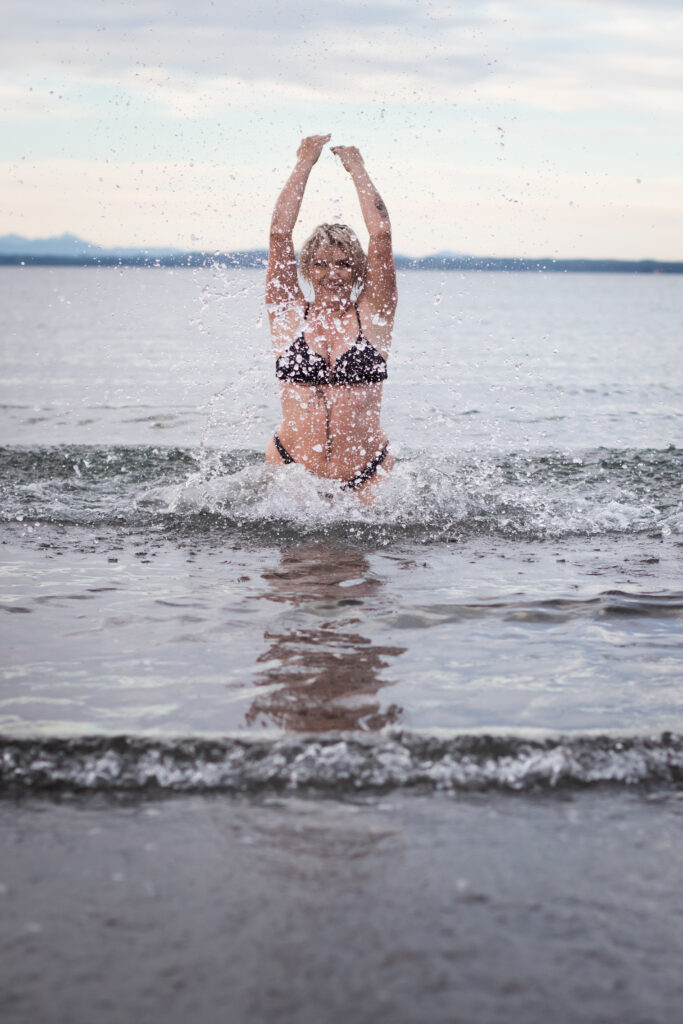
[348,485]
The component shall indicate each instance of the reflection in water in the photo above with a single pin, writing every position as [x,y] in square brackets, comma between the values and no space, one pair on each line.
[323,672]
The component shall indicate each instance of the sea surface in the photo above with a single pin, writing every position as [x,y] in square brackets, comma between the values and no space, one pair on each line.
[270,753]
[177,614]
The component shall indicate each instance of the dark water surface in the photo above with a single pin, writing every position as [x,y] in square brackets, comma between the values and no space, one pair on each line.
[490,909]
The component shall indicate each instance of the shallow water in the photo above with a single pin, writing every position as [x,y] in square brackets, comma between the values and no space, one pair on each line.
[518,577]
[377,910]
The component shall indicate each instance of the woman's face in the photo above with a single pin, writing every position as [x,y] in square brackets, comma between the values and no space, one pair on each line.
[332,274]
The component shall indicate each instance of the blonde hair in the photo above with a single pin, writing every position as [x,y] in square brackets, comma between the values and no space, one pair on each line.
[334,234]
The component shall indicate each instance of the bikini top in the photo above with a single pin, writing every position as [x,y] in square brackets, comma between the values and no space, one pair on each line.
[360,364]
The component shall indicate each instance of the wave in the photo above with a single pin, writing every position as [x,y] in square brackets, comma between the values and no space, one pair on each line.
[602,606]
[340,763]
[427,497]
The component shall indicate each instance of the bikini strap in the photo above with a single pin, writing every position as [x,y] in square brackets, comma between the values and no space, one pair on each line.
[365,474]
[306,309]
[360,326]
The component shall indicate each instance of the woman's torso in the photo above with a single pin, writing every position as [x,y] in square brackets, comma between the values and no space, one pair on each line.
[332,424]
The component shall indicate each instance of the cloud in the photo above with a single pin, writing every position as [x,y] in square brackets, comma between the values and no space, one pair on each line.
[513,91]
[499,210]
[19,103]
[574,54]
[187,204]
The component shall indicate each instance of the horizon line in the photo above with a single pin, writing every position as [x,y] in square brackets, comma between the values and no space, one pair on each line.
[257,259]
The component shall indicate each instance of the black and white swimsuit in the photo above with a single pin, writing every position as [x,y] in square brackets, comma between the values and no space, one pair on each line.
[360,364]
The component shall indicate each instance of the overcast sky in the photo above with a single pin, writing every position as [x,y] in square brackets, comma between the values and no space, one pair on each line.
[492,128]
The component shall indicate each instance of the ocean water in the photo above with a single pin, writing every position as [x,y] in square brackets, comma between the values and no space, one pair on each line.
[179,616]
[268,753]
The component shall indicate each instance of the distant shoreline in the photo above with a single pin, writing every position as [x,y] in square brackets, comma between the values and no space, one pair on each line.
[257,259]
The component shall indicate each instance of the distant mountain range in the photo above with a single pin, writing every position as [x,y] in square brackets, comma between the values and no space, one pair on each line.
[70,246]
[69,250]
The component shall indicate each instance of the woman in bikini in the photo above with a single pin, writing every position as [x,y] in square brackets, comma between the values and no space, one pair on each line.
[331,352]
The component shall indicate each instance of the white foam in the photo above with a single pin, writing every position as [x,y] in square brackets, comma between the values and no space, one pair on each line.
[267,493]
[341,761]
[437,494]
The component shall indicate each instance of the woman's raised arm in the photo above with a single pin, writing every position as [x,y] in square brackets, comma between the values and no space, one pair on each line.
[380,284]
[282,283]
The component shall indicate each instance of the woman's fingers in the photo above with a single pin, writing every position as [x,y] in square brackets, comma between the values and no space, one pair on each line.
[348,155]
[312,146]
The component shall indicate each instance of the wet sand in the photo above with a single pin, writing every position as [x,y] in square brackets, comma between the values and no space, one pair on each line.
[489,909]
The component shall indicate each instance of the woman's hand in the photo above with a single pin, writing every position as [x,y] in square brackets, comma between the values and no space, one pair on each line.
[349,156]
[311,147]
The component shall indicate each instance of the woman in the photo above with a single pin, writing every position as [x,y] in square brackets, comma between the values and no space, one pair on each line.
[331,352]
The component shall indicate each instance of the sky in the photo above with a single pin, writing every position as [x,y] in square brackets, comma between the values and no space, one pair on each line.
[493,128]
